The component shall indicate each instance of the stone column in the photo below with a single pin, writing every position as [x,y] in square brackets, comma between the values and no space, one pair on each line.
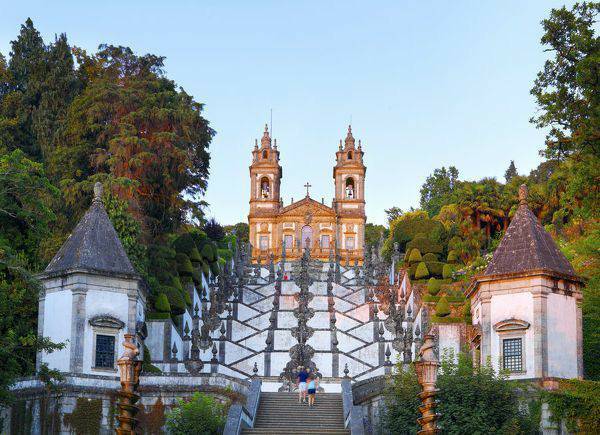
[540,333]
[40,328]
[131,311]
[486,325]
[77,329]
[579,326]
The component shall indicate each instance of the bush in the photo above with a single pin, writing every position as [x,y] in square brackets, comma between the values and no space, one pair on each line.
[472,399]
[200,414]
[176,282]
[421,271]
[147,366]
[415,256]
[214,268]
[452,256]
[185,244]
[425,245]
[433,286]
[442,309]
[175,298]
[577,403]
[430,256]
[184,265]
[454,242]
[162,303]
[435,268]
[447,271]
[209,252]
[225,253]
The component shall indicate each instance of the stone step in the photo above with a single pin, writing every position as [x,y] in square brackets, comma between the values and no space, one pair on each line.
[321,431]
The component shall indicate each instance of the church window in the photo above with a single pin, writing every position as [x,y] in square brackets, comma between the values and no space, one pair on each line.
[349,242]
[512,354]
[264,243]
[325,241]
[105,351]
[289,241]
[265,154]
[349,155]
[349,188]
[265,188]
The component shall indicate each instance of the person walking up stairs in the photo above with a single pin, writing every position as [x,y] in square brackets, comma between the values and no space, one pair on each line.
[280,413]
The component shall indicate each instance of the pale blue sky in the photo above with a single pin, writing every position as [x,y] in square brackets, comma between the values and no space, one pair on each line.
[425,83]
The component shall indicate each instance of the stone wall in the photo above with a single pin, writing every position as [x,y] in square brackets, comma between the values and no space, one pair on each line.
[86,404]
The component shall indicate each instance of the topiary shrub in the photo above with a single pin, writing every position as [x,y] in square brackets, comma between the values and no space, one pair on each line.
[430,256]
[184,265]
[176,282]
[421,271]
[433,286]
[452,256]
[185,244]
[161,303]
[435,268]
[187,298]
[209,252]
[447,271]
[415,256]
[225,253]
[175,298]
[424,245]
[197,277]
[205,269]
[442,309]
[147,366]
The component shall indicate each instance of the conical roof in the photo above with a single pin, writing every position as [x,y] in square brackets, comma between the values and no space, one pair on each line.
[526,246]
[93,245]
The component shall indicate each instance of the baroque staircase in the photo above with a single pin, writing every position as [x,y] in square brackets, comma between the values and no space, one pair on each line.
[280,413]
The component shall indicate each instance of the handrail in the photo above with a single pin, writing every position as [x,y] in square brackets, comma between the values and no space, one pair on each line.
[353,415]
[240,416]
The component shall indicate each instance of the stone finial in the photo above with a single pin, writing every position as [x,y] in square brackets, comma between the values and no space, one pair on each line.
[388,353]
[346,370]
[98,190]
[523,193]
[349,138]
[255,368]
[427,352]
[196,309]
[186,329]
[174,350]
[223,330]
[214,352]
[265,142]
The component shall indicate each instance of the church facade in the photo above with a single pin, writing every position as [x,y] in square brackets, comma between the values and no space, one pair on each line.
[326,230]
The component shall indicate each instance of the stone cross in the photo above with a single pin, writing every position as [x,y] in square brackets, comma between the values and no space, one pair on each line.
[307,185]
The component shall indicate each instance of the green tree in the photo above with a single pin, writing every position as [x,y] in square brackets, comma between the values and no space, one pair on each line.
[241,230]
[511,171]
[24,219]
[201,414]
[437,189]
[373,233]
[393,213]
[566,90]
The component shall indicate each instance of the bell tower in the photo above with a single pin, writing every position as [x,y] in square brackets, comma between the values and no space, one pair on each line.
[349,202]
[265,201]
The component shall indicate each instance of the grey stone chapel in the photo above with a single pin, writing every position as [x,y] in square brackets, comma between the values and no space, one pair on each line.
[348,322]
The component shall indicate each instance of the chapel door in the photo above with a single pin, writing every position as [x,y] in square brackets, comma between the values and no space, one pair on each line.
[307,236]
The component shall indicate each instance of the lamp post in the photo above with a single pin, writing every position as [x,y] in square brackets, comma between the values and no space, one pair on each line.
[427,370]
[129,370]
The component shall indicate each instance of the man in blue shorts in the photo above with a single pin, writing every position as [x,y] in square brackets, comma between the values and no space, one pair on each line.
[302,378]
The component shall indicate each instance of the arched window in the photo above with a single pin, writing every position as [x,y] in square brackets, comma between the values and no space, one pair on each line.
[349,155]
[265,154]
[349,188]
[265,188]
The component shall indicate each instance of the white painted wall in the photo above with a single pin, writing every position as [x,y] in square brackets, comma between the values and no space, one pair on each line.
[57,327]
[562,336]
[513,306]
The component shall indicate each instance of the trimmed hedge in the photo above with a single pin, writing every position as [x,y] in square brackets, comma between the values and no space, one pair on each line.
[214,268]
[433,286]
[442,308]
[452,256]
[435,268]
[209,252]
[175,299]
[422,271]
[187,298]
[157,316]
[225,253]
[447,271]
[184,265]
[430,256]
[437,319]
[425,245]
[162,303]
[415,256]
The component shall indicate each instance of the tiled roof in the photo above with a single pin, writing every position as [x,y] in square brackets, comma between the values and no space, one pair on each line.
[527,246]
[93,245]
